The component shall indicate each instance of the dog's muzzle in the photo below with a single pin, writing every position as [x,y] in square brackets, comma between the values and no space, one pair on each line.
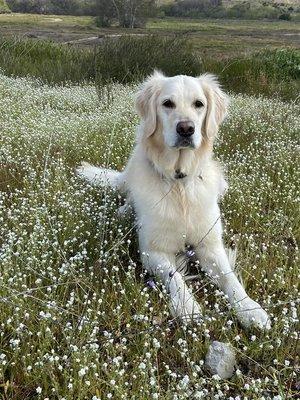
[185,131]
[184,143]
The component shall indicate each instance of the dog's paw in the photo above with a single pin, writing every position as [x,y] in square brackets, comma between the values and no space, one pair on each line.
[251,314]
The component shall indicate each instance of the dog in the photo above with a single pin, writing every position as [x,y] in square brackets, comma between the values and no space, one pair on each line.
[174,185]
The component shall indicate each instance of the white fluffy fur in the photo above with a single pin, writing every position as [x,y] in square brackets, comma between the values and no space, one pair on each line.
[175,212]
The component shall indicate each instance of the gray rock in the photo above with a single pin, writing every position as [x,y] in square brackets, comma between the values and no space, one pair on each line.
[220,359]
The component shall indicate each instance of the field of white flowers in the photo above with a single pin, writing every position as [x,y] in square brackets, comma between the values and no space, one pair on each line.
[77,320]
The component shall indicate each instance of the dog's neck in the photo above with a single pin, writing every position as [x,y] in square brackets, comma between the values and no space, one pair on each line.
[175,164]
[178,165]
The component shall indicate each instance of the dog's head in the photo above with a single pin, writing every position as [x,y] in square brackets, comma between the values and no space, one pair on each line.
[183,109]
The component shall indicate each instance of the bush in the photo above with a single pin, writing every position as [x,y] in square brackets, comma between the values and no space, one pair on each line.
[240,10]
[71,7]
[270,73]
[131,58]
[191,8]
[52,63]
[4,7]
[283,64]
[285,16]
[124,59]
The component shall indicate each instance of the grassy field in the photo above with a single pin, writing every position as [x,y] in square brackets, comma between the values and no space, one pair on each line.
[216,37]
[272,73]
[77,320]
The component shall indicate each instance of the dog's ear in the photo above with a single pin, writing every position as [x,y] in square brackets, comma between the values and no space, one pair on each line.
[146,102]
[217,104]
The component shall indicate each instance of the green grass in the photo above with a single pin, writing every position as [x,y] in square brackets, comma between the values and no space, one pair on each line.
[40,20]
[77,319]
[269,73]
[217,37]
[52,63]
[224,25]
[130,59]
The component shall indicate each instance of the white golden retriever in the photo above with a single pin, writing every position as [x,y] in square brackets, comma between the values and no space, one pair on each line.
[174,185]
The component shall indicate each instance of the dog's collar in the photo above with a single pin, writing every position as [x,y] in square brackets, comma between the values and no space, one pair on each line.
[177,173]
[181,175]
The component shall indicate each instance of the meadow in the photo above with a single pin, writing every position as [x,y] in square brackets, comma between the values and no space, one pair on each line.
[273,73]
[217,37]
[77,319]
[253,57]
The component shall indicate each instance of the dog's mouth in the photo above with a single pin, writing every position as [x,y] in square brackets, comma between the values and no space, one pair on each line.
[184,143]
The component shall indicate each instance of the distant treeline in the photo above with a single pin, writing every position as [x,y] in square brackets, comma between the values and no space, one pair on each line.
[66,7]
[257,9]
[130,13]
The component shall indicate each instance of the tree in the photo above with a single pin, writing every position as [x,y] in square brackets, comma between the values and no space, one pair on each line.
[129,13]
[106,12]
[45,6]
[4,7]
[64,6]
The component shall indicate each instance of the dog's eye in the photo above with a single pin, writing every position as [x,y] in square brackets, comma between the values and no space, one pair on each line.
[169,104]
[198,104]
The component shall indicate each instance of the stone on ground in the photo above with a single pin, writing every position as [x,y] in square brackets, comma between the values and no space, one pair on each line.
[220,359]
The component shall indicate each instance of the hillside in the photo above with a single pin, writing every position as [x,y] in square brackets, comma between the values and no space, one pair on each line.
[285,2]
[233,9]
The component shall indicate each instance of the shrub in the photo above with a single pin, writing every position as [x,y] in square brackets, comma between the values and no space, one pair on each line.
[191,8]
[239,10]
[72,7]
[271,73]
[131,58]
[285,16]
[50,62]
[281,64]
[4,7]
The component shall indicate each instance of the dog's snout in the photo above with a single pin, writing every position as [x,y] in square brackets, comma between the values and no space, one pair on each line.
[185,128]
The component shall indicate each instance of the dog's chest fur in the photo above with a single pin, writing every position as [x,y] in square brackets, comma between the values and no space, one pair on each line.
[173,213]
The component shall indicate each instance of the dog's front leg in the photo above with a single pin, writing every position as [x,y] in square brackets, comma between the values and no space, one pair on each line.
[214,261]
[182,302]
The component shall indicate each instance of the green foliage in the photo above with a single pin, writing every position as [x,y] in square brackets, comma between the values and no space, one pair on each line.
[52,63]
[271,72]
[71,7]
[285,16]
[281,64]
[106,13]
[128,14]
[131,58]
[4,7]
[240,10]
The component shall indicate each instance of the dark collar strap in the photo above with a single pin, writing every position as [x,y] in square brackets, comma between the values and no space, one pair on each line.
[179,174]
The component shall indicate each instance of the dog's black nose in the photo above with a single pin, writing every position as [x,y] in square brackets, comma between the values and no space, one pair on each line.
[185,128]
